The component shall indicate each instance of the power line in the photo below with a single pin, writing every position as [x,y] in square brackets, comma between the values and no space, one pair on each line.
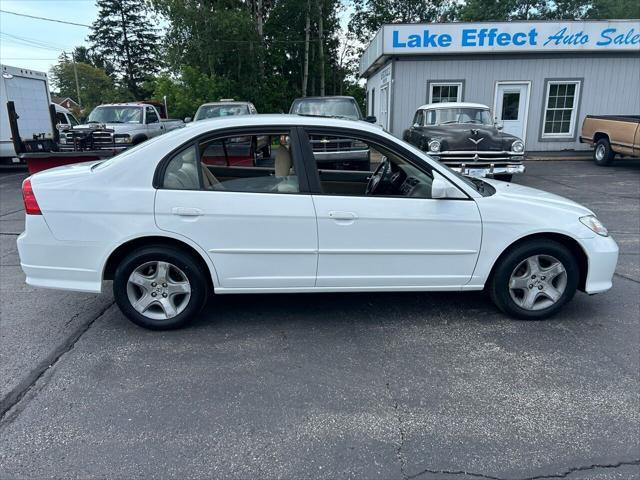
[46,19]
[30,42]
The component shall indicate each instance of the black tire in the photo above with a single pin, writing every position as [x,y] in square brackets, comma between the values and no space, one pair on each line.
[189,266]
[498,286]
[504,178]
[602,153]
[138,140]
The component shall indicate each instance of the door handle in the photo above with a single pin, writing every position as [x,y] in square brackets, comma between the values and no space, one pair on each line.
[343,216]
[186,211]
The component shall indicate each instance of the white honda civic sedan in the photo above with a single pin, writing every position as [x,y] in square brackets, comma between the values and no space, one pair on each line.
[186,215]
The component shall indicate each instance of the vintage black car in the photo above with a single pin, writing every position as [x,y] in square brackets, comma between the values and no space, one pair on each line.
[464,137]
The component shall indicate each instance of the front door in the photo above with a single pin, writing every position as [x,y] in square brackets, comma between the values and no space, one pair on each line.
[512,107]
[395,237]
[254,221]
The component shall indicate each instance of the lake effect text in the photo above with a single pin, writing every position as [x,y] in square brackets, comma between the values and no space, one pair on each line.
[492,37]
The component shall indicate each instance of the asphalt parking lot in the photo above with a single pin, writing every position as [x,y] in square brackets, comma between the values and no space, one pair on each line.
[397,386]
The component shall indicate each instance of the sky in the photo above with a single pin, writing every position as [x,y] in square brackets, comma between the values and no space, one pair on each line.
[36,44]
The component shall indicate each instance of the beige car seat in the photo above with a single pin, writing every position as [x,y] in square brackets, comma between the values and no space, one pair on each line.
[287,183]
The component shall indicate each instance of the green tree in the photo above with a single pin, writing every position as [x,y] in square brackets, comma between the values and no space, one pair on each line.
[603,9]
[370,15]
[481,10]
[96,86]
[260,57]
[187,92]
[123,36]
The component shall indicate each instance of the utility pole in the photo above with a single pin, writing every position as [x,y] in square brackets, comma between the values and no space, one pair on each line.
[75,74]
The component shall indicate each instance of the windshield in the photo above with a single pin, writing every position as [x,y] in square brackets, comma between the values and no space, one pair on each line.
[214,111]
[323,107]
[116,114]
[443,116]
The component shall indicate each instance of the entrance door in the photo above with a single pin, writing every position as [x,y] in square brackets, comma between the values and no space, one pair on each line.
[384,106]
[511,107]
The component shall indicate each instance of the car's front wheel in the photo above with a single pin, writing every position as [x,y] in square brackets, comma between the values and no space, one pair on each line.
[534,280]
[160,288]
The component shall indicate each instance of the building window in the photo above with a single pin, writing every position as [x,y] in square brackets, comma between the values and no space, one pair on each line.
[561,105]
[445,92]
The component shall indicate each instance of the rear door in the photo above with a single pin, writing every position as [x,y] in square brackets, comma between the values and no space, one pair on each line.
[254,222]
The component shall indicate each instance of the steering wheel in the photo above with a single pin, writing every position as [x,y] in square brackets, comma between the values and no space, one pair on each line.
[376,179]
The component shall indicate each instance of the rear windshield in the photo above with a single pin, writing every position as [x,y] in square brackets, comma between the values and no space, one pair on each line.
[214,111]
[327,107]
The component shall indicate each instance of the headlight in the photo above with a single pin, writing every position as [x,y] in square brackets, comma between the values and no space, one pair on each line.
[517,146]
[593,224]
[434,146]
[123,139]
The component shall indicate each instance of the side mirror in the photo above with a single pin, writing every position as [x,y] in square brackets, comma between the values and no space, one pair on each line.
[370,119]
[187,119]
[442,189]
[499,125]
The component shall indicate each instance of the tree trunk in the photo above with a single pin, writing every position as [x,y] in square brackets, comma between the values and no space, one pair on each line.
[133,88]
[321,46]
[260,29]
[312,62]
[305,72]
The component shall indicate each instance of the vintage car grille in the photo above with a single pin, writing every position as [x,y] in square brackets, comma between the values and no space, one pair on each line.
[479,157]
[336,145]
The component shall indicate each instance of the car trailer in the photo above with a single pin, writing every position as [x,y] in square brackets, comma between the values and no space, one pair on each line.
[41,153]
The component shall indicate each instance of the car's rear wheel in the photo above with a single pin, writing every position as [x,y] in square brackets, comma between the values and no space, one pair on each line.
[160,288]
[534,280]
[602,153]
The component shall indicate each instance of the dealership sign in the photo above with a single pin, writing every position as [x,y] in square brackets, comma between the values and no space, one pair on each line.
[613,35]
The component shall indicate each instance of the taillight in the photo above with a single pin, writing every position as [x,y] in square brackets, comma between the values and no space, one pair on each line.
[30,203]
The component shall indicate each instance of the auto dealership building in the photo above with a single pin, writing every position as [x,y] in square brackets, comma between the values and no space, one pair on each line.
[539,78]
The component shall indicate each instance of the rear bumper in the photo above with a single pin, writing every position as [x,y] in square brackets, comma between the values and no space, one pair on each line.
[602,255]
[50,263]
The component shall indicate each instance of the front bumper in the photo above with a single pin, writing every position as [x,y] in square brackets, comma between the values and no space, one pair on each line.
[487,171]
[602,257]
[482,163]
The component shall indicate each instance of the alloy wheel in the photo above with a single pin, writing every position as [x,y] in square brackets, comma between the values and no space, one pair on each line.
[538,282]
[158,290]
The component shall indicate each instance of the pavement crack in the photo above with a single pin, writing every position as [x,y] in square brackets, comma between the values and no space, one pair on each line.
[13,398]
[626,277]
[399,452]
[564,474]
[12,212]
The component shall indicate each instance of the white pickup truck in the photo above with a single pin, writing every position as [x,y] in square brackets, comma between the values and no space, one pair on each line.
[117,126]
